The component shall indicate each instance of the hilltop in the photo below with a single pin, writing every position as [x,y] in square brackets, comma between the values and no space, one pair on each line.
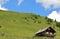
[18,25]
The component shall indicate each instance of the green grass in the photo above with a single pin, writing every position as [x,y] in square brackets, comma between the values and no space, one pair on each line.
[16,25]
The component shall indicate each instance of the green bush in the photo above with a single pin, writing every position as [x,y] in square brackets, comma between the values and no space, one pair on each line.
[49,21]
[58,24]
[46,17]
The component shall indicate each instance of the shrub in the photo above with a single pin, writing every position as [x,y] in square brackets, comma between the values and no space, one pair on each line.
[49,21]
[0,26]
[39,22]
[46,17]
[34,21]
[58,24]
[35,17]
[25,18]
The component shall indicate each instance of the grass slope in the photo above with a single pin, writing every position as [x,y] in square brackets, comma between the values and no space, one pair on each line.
[15,25]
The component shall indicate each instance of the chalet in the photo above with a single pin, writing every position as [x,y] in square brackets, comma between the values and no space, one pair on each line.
[49,32]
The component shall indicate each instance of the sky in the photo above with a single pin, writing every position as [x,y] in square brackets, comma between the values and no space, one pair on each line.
[40,7]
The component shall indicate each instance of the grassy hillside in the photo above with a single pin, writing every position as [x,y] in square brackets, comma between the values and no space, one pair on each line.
[15,25]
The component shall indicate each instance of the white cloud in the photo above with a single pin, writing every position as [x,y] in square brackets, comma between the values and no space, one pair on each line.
[19,2]
[1,3]
[2,8]
[55,16]
[48,3]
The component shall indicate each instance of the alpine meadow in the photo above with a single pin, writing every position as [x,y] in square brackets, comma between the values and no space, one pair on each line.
[15,25]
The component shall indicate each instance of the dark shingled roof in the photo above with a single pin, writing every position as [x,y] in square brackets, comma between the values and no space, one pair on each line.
[42,30]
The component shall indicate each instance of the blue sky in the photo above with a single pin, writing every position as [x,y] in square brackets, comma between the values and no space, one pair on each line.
[31,6]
